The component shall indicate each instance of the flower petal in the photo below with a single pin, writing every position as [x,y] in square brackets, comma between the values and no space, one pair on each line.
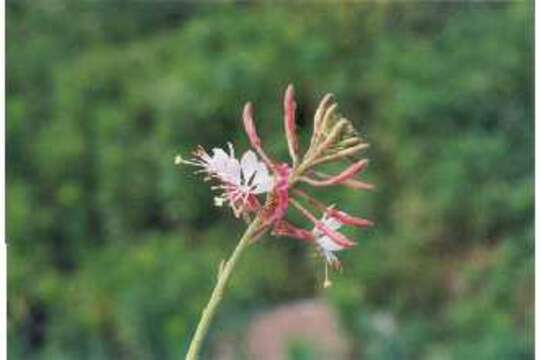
[225,167]
[249,165]
[263,180]
[328,244]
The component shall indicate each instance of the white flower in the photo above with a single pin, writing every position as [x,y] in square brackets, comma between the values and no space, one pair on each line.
[237,179]
[327,246]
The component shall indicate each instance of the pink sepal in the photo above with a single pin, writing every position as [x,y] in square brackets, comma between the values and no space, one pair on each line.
[284,228]
[278,204]
[347,219]
[335,236]
[346,174]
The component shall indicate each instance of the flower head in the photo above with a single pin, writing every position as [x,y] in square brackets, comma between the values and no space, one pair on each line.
[334,140]
[238,181]
[329,240]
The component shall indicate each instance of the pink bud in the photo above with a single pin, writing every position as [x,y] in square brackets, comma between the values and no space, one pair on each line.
[335,236]
[289,109]
[342,177]
[358,185]
[284,228]
[251,131]
[249,125]
[347,219]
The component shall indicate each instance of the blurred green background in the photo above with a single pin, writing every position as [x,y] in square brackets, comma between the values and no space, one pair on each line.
[113,251]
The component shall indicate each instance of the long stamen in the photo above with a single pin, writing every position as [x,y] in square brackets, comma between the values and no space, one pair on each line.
[327,282]
[178,160]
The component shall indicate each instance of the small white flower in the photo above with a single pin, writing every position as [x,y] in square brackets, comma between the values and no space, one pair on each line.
[326,245]
[237,179]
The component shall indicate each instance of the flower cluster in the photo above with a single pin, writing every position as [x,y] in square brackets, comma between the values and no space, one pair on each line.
[240,182]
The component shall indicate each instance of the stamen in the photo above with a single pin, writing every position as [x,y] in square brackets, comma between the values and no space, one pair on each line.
[219,201]
[178,159]
[327,282]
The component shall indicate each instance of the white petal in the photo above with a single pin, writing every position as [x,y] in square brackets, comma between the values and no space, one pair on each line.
[263,180]
[232,172]
[224,166]
[249,164]
[327,244]
[219,154]
[218,161]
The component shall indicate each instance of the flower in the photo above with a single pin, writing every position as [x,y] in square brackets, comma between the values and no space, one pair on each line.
[324,236]
[334,140]
[239,181]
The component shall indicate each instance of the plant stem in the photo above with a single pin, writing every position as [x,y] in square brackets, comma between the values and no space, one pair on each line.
[217,294]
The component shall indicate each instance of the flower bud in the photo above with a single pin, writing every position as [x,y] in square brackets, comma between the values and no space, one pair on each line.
[249,125]
[319,115]
[284,228]
[289,109]
[358,185]
[347,219]
[251,131]
[340,178]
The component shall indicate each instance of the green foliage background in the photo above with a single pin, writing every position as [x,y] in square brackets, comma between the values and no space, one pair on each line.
[113,250]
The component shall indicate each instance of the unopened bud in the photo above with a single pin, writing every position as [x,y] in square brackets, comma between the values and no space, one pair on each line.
[289,109]
[319,115]
[251,131]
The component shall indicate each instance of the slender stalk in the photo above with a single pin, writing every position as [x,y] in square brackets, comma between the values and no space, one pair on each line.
[217,294]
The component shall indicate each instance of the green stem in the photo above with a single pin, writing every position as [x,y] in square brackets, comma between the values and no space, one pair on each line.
[217,294]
